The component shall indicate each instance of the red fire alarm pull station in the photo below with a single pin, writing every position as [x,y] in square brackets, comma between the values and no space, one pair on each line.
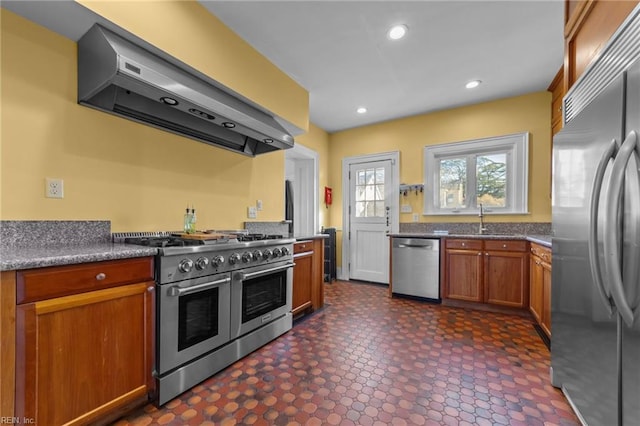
[327,196]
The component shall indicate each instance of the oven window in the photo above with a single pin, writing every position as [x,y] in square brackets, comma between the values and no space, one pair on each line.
[263,294]
[198,317]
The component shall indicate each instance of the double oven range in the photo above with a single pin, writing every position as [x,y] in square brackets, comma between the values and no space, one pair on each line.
[216,301]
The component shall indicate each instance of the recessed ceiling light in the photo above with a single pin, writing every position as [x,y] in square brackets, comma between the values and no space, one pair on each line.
[397,32]
[361,110]
[472,84]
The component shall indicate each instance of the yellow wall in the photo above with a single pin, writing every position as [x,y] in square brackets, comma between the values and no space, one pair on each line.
[189,32]
[141,178]
[409,136]
[138,177]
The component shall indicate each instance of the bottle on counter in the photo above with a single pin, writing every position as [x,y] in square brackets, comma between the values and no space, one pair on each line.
[187,221]
[192,223]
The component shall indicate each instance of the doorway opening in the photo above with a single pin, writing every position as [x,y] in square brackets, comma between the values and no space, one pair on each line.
[301,170]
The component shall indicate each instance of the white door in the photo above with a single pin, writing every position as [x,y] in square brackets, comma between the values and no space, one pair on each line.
[370,220]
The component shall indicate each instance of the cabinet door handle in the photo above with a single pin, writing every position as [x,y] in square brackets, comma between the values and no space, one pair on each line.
[101,276]
[504,246]
[479,254]
[486,254]
[150,288]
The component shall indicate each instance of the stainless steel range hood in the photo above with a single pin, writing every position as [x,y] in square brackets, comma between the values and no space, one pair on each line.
[118,76]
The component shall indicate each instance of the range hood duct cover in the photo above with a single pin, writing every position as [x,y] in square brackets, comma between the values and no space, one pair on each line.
[120,77]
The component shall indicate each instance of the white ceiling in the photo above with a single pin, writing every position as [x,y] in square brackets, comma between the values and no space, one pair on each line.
[339,52]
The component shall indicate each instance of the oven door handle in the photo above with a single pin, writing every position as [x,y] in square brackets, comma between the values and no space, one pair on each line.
[179,291]
[249,275]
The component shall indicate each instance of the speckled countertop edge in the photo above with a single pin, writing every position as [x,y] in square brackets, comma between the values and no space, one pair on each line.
[310,237]
[15,258]
[544,240]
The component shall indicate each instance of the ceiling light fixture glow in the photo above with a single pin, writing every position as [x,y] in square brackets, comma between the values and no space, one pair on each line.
[472,84]
[397,32]
[361,110]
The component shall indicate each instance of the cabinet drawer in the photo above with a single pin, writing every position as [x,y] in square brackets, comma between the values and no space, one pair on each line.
[458,243]
[47,283]
[302,246]
[542,252]
[505,245]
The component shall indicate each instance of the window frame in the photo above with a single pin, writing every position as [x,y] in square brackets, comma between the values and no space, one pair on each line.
[516,146]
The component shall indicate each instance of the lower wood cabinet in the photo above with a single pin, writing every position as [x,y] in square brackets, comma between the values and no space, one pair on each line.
[308,291]
[486,271]
[83,357]
[540,286]
[463,270]
[302,276]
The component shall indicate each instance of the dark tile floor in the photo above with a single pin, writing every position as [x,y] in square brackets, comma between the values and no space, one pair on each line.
[366,359]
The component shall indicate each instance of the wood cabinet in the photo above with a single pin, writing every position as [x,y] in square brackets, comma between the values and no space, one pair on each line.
[87,355]
[308,290]
[557,93]
[486,271]
[506,273]
[589,24]
[302,276]
[463,260]
[540,286]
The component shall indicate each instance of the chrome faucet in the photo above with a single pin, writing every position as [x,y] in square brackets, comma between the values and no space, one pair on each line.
[481,227]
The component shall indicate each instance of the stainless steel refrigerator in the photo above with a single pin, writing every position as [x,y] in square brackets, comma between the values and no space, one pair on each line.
[595,329]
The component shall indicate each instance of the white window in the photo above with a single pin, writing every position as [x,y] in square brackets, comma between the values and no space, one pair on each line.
[458,177]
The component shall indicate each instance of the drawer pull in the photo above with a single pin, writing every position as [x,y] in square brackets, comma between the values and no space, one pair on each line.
[504,246]
[464,244]
[101,276]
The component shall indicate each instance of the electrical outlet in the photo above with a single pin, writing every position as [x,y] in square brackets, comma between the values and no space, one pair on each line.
[406,208]
[252,212]
[54,188]
[259,205]
[416,217]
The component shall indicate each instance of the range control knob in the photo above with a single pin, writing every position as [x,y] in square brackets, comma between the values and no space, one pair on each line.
[247,257]
[285,251]
[266,254]
[257,255]
[202,263]
[185,265]
[277,252]
[217,261]
[234,258]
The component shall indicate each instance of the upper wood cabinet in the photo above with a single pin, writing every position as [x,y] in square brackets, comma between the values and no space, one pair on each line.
[589,24]
[557,93]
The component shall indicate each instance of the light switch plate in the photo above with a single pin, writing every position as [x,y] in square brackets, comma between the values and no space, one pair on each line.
[259,205]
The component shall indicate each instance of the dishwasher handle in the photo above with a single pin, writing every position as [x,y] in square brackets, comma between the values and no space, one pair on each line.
[416,243]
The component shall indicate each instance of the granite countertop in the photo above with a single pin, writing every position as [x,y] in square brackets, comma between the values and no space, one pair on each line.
[544,240]
[14,258]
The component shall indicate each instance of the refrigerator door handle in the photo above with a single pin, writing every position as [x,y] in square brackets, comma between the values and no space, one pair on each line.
[594,255]
[612,255]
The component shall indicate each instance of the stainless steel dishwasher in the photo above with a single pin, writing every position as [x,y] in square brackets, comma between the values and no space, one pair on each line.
[415,265]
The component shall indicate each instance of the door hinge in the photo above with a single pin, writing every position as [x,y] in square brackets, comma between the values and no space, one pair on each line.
[349,235]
